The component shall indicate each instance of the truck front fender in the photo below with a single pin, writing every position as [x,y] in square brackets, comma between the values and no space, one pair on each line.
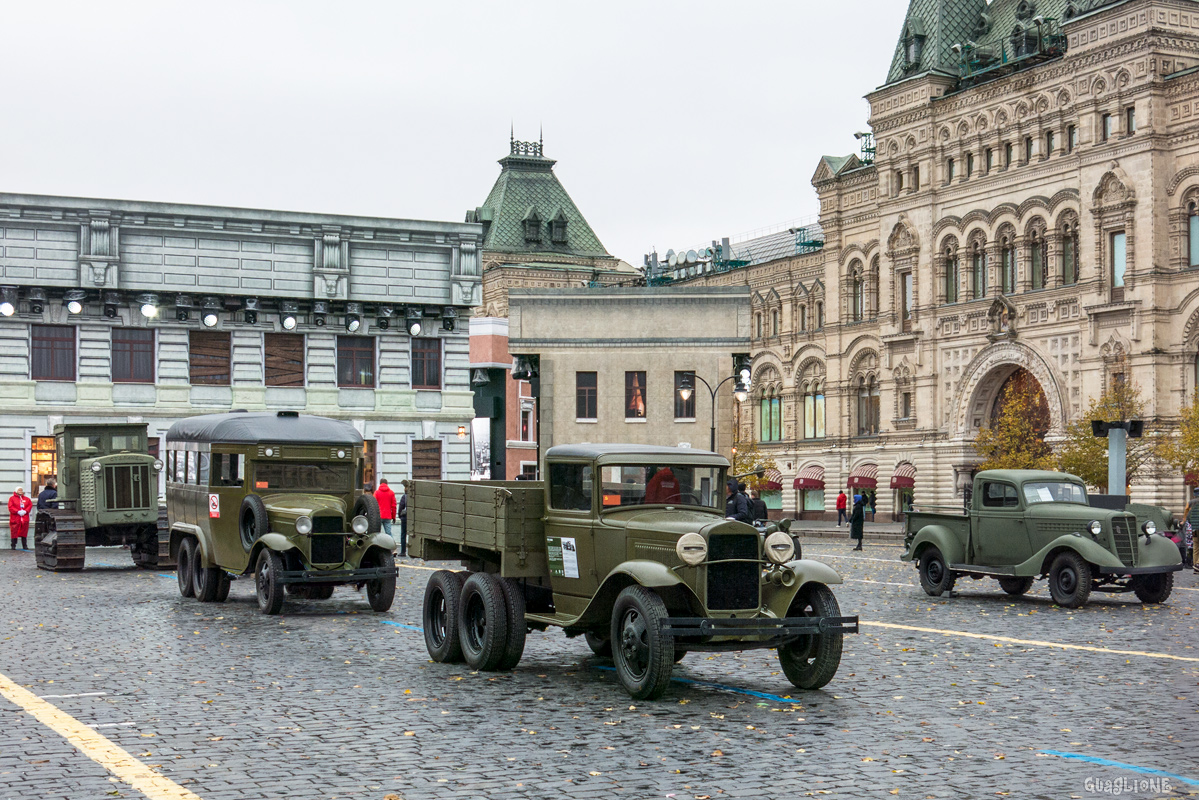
[383,540]
[1090,550]
[1158,552]
[777,598]
[276,541]
[937,536]
[650,574]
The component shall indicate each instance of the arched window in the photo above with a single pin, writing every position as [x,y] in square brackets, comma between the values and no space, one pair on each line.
[952,271]
[978,269]
[771,416]
[1070,253]
[1038,256]
[803,318]
[868,406]
[1007,262]
[758,325]
[819,314]
[1193,233]
[857,296]
[813,411]
[774,322]
[872,284]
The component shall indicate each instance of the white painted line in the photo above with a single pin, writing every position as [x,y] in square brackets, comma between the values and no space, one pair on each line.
[81,694]
[113,725]
[860,558]
[884,583]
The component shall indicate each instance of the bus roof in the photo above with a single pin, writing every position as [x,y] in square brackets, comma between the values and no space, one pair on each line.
[241,427]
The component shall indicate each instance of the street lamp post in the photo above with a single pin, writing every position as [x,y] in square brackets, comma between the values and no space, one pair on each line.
[741,391]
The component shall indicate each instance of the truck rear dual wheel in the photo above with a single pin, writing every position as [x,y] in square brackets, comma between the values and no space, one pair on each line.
[514,648]
[483,621]
[439,616]
[1070,580]
[1154,588]
[642,652]
[183,572]
[206,581]
[812,660]
[935,575]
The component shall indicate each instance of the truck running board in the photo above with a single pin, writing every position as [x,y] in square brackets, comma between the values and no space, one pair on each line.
[787,626]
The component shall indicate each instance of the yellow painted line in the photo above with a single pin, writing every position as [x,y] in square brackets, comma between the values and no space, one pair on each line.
[418,566]
[1031,642]
[96,747]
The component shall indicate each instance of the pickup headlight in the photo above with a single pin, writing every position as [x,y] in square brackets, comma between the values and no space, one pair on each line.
[359,524]
[303,525]
[691,548]
[1150,527]
[779,547]
[1096,527]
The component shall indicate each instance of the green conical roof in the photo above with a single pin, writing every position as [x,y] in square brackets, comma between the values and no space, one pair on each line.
[527,191]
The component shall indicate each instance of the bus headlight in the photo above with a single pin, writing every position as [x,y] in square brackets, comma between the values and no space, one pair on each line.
[359,524]
[303,525]
[691,548]
[779,547]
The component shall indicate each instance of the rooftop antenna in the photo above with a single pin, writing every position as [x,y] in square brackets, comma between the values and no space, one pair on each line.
[541,138]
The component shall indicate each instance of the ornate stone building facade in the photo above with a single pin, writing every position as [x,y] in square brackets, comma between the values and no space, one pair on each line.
[1030,210]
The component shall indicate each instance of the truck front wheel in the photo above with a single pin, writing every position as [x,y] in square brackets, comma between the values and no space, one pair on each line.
[381,592]
[642,653]
[935,575]
[1070,580]
[1154,588]
[266,582]
[811,661]
[443,595]
[1015,586]
[483,621]
[600,645]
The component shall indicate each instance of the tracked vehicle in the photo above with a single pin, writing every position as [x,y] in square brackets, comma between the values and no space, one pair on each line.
[107,495]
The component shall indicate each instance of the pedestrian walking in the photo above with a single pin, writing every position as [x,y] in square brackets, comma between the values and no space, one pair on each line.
[842,506]
[857,520]
[1188,544]
[757,506]
[403,510]
[47,496]
[387,504]
[735,506]
[19,507]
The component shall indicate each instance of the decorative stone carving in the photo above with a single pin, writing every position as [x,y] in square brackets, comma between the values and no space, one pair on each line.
[331,267]
[1002,316]
[99,252]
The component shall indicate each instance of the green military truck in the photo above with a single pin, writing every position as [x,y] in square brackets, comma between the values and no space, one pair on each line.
[625,545]
[107,496]
[1028,524]
[276,496]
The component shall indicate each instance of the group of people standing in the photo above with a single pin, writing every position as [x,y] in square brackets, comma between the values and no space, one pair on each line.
[20,510]
[744,506]
[855,516]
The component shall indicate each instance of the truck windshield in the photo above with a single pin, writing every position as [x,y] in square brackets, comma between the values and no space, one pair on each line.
[280,476]
[1054,492]
[644,484]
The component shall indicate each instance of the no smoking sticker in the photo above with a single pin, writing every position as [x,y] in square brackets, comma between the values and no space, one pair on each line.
[214,506]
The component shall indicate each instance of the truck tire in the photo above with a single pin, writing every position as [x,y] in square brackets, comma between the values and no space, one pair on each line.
[812,660]
[1154,588]
[514,597]
[642,652]
[1070,580]
[266,581]
[222,589]
[1015,586]
[483,621]
[252,520]
[380,592]
[935,575]
[205,580]
[323,591]
[368,506]
[600,645]
[183,572]
[439,617]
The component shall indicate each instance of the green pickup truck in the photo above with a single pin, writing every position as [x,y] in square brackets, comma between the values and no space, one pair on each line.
[628,546]
[1029,524]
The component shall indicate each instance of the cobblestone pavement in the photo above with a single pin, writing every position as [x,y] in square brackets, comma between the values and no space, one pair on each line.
[333,701]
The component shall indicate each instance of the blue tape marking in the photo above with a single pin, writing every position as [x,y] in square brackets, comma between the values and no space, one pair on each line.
[402,625]
[1108,763]
[721,687]
[170,575]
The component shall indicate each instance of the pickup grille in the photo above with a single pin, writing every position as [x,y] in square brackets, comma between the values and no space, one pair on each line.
[328,549]
[327,524]
[127,487]
[1126,541]
[734,585]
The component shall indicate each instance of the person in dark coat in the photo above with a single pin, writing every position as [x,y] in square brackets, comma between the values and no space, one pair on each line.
[403,511]
[735,505]
[857,520]
[757,506]
[47,496]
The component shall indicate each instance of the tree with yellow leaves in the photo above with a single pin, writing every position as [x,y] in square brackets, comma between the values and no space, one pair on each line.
[1085,455]
[1016,438]
[747,458]
[1182,452]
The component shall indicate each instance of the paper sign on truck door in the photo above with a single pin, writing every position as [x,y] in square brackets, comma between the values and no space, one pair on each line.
[563,556]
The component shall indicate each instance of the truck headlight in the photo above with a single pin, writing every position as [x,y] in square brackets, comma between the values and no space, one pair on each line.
[1150,527]
[779,547]
[95,466]
[1096,527]
[691,548]
[359,524]
[157,465]
[303,524]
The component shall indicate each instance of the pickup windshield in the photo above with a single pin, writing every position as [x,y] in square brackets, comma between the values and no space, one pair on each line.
[1054,492]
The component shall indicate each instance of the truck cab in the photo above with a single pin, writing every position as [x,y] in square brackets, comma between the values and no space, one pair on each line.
[1021,525]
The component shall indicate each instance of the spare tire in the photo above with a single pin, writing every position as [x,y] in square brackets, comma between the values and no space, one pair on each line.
[252,520]
[367,506]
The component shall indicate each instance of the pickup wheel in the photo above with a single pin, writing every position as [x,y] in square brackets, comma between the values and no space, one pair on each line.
[183,572]
[935,575]
[811,661]
[1015,586]
[1154,588]
[380,592]
[600,645]
[642,652]
[443,596]
[266,581]
[514,648]
[1070,580]
[483,621]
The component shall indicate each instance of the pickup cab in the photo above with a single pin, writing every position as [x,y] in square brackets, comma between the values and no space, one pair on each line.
[1022,525]
[628,546]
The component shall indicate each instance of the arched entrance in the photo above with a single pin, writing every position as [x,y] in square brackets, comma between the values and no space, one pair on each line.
[984,378]
[1023,387]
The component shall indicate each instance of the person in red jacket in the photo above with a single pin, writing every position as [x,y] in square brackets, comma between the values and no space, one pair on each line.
[19,507]
[842,503]
[387,504]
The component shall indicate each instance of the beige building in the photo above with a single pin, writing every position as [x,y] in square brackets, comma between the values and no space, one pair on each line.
[612,361]
[1030,211]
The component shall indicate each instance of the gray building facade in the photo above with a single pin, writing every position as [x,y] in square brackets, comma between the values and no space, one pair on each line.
[135,311]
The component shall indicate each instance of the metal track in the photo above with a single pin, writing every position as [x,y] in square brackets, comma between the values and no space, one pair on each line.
[59,540]
[164,540]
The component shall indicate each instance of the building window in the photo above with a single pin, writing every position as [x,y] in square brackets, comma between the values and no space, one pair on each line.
[774,322]
[356,361]
[952,274]
[558,229]
[532,225]
[898,181]
[634,395]
[1105,127]
[868,406]
[1069,254]
[758,325]
[969,164]
[1027,149]
[426,363]
[819,314]
[283,361]
[771,419]
[209,358]
[990,159]
[526,424]
[905,405]
[1007,155]
[53,353]
[586,395]
[1193,233]
[1130,121]
[1119,263]
[978,271]
[813,413]
[1008,266]
[949,170]
[857,293]
[1037,259]
[916,178]
[426,459]
[803,309]
[684,409]
[132,355]
[906,300]
[1050,143]
[1071,138]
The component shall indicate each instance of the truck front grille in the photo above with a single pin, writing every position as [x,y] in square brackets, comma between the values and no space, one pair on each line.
[328,549]
[327,524]
[127,487]
[733,585]
[1126,541]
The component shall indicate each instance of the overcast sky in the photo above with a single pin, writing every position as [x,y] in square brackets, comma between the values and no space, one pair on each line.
[672,123]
